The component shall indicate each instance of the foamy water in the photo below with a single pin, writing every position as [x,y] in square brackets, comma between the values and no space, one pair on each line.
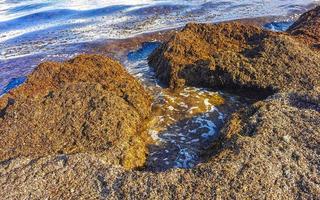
[183,124]
[32,31]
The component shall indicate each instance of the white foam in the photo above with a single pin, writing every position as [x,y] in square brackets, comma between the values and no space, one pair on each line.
[155,135]
[122,23]
[206,103]
[185,159]
[207,124]
[221,116]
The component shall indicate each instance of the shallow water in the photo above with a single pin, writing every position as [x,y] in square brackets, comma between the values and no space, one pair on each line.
[32,31]
[183,124]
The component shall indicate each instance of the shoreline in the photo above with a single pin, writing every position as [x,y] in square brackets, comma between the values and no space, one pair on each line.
[77,124]
[20,67]
[117,48]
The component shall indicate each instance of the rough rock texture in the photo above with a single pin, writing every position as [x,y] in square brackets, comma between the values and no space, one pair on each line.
[233,55]
[270,151]
[88,104]
[110,74]
[307,28]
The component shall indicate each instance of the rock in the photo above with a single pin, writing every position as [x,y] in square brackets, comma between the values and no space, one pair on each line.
[110,74]
[253,163]
[236,56]
[307,28]
[45,178]
[251,160]
[89,104]
[287,138]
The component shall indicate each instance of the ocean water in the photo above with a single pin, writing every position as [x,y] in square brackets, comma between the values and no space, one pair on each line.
[32,31]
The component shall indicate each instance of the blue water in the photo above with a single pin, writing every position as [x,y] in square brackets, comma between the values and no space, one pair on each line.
[15,82]
[137,65]
[278,26]
[146,49]
[33,31]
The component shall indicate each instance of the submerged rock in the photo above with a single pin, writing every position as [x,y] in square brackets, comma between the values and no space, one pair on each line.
[235,56]
[89,104]
[307,28]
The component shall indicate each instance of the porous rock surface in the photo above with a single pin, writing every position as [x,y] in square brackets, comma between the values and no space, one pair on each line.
[269,151]
[235,56]
[307,28]
[89,104]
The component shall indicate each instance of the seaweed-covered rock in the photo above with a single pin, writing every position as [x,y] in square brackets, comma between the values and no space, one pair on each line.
[307,28]
[269,151]
[234,56]
[110,74]
[88,104]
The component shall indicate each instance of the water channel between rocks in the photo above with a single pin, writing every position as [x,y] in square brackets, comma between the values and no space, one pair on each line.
[183,124]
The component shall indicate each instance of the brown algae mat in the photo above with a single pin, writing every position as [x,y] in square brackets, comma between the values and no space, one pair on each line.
[267,150]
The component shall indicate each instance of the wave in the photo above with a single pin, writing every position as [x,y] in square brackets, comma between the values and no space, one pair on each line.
[54,28]
[54,15]
[25,8]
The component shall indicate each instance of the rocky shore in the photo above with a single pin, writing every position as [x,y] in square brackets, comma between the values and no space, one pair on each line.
[307,28]
[75,129]
[233,55]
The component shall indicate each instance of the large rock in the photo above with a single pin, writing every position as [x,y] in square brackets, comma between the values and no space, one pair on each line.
[269,151]
[307,28]
[88,104]
[235,56]
[110,74]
